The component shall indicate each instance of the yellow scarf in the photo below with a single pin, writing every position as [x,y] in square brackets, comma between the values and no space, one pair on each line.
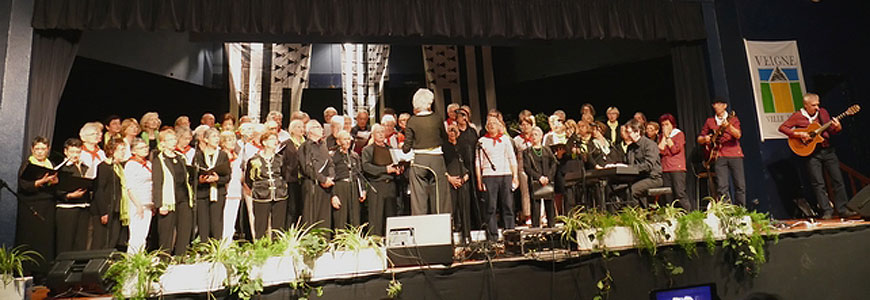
[125,218]
[45,163]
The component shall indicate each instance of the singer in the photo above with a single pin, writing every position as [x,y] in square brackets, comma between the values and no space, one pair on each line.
[496,168]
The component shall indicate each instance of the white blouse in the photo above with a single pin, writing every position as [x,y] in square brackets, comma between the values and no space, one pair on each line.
[139,183]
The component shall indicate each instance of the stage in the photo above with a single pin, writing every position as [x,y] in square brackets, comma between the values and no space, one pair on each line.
[824,261]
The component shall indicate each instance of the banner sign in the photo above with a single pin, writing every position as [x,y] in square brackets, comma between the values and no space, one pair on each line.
[777,81]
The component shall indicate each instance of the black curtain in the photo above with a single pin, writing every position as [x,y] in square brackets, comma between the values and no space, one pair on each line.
[693,102]
[52,58]
[372,20]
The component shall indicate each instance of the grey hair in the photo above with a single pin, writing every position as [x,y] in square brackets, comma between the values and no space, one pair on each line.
[423,99]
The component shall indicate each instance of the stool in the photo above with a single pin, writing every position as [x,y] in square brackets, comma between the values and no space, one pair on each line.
[657,192]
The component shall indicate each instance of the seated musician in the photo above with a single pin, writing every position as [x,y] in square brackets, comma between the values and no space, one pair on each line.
[822,158]
[643,154]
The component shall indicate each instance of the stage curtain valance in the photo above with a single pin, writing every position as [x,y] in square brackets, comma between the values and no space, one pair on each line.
[387,19]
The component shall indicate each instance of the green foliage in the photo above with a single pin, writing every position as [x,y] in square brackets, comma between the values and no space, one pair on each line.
[689,225]
[394,289]
[11,261]
[667,213]
[542,121]
[575,221]
[143,267]
[354,238]
[637,220]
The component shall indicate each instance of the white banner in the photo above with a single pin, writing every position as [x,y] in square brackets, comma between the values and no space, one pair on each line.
[777,81]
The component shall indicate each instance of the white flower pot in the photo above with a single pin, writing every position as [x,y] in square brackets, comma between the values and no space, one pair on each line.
[715,225]
[18,288]
[193,278]
[617,237]
[586,239]
[665,232]
[129,288]
[348,263]
[278,270]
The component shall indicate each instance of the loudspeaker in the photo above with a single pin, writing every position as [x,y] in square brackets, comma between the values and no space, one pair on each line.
[81,271]
[420,240]
[860,201]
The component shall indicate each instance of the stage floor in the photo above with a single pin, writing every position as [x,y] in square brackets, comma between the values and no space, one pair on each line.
[798,239]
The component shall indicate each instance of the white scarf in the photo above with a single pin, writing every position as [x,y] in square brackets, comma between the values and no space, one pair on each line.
[719,121]
[210,163]
[674,133]
[811,118]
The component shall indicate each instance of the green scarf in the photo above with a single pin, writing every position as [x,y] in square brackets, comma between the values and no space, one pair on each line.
[45,163]
[168,192]
[125,218]
[145,137]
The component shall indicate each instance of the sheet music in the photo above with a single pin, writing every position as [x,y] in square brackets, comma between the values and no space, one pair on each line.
[397,155]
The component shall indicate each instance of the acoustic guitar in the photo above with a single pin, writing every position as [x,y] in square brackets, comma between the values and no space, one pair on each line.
[805,147]
[712,148]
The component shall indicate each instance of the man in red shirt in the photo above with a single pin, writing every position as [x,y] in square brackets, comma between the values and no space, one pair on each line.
[822,158]
[730,160]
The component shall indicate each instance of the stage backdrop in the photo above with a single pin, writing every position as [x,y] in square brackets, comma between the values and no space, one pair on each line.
[267,77]
[363,72]
[778,83]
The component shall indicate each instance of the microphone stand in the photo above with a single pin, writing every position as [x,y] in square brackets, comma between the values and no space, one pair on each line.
[18,199]
[485,155]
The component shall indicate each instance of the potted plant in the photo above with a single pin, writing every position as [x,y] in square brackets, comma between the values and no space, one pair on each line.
[292,248]
[201,270]
[137,275]
[636,221]
[693,227]
[11,261]
[665,221]
[351,251]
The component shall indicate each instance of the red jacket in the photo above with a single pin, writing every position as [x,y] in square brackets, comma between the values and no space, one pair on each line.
[730,145]
[674,157]
[798,120]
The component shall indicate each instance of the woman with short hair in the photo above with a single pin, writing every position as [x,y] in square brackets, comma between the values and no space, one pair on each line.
[138,208]
[234,187]
[268,188]
[672,147]
[108,194]
[129,131]
[150,124]
[496,167]
[212,175]
[36,209]
[349,191]
[171,196]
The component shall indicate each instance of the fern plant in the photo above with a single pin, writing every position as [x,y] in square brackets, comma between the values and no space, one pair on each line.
[143,267]
[354,238]
[11,261]
[575,221]
[637,220]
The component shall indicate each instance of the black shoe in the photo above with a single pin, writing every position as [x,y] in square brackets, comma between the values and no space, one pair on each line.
[848,214]
[828,215]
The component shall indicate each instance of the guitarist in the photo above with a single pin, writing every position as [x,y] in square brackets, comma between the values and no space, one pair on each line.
[729,159]
[823,157]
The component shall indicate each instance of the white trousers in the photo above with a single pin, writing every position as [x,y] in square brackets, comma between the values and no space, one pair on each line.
[231,212]
[138,229]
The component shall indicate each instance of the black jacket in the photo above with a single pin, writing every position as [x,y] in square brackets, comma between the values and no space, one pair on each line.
[107,193]
[644,154]
[180,180]
[221,168]
[264,178]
